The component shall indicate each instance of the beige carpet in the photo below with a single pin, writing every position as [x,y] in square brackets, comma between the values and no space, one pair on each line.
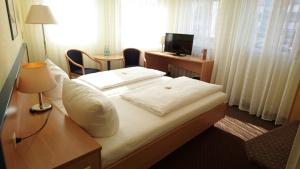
[243,125]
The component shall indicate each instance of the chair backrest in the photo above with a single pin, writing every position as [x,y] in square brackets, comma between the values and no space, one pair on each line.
[75,56]
[131,56]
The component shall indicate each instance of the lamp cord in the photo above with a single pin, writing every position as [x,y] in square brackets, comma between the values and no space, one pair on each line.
[19,139]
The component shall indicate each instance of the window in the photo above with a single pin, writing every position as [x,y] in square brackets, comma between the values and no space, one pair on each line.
[264,14]
[290,27]
[197,17]
[143,22]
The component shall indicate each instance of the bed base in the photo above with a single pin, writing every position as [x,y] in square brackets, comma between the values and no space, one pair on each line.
[156,150]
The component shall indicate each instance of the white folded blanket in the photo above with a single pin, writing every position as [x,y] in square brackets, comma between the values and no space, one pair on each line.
[165,97]
[119,77]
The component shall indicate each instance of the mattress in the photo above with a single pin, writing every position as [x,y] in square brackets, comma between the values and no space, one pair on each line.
[139,127]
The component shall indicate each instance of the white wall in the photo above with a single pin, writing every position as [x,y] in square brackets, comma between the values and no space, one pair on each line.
[8,48]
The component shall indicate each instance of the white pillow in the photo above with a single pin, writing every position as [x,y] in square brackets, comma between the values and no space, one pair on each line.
[90,109]
[59,76]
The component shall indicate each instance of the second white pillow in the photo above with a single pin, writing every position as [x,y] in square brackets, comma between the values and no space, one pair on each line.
[59,75]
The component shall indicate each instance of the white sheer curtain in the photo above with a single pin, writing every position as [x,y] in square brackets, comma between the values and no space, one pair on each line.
[80,26]
[143,22]
[257,55]
[91,25]
[197,17]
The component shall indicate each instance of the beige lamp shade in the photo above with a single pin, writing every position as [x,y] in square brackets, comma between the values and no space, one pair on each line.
[40,14]
[35,78]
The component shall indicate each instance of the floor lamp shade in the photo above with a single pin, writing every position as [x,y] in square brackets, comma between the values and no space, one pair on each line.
[36,78]
[40,14]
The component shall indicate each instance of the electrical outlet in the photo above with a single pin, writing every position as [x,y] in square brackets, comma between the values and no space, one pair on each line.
[14,140]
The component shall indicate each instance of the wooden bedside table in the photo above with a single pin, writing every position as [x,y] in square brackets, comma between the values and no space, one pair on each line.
[61,144]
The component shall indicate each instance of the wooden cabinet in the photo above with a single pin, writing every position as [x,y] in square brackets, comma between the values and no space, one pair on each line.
[61,144]
[295,111]
[162,60]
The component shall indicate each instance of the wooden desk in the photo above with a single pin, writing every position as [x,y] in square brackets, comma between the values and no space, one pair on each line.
[109,58]
[62,144]
[161,61]
[295,110]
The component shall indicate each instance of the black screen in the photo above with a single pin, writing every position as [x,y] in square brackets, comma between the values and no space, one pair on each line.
[180,44]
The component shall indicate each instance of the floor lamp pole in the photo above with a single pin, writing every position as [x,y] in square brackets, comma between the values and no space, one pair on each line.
[45,46]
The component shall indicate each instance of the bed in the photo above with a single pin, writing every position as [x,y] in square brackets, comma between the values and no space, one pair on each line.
[144,138]
[163,134]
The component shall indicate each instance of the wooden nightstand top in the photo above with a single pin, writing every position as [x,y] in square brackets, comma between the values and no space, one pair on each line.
[58,145]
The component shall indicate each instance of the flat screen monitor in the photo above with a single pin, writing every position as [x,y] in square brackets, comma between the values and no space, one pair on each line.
[179,44]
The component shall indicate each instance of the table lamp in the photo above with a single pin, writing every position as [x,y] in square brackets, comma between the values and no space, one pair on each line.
[36,78]
[40,14]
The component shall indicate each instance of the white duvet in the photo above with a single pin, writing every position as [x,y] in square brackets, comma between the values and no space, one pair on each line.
[119,77]
[167,96]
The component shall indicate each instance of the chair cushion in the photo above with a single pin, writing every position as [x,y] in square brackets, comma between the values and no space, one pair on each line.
[90,109]
[130,66]
[271,150]
[87,71]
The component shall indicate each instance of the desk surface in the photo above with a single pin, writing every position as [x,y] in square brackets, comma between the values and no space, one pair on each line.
[110,57]
[184,58]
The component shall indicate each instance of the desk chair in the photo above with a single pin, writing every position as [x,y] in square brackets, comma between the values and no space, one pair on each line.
[76,68]
[131,57]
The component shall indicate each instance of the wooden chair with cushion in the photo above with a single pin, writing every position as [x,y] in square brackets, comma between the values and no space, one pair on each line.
[131,57]
[76,67]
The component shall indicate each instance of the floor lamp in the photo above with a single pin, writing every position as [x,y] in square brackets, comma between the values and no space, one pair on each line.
[41,14]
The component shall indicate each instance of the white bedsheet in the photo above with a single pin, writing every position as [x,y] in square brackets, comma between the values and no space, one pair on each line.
[119,77]
[175,93]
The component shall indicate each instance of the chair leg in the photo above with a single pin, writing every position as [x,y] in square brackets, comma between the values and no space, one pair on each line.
[123,61]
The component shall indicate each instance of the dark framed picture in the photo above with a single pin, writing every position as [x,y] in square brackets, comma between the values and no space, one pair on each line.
[12,18]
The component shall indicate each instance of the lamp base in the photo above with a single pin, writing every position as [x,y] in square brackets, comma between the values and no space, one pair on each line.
[40,109]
